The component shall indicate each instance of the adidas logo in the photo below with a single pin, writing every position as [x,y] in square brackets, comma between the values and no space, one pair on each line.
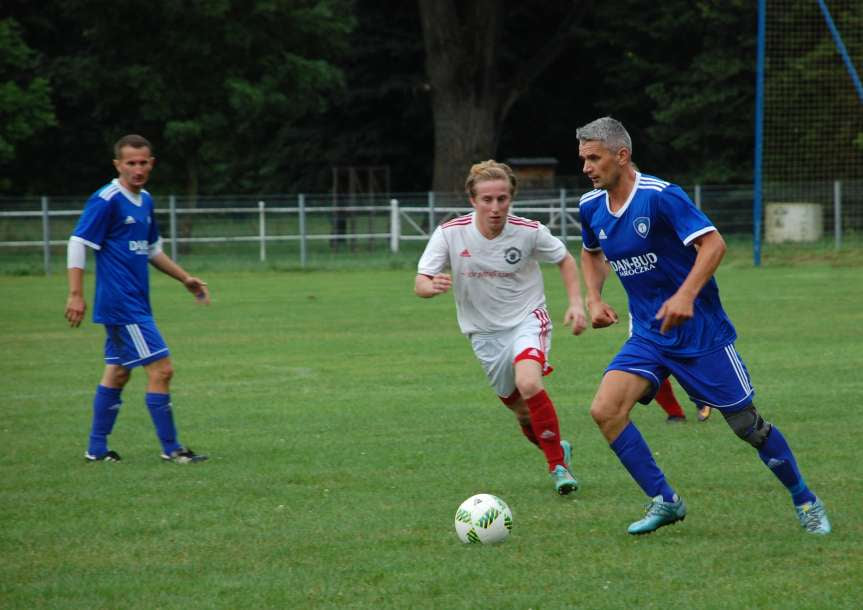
[129,220]
[602,234]
[547,434]
[773,463]
[465,252]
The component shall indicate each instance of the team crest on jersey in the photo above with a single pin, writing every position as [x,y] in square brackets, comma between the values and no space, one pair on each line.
[642,226]
[512,255]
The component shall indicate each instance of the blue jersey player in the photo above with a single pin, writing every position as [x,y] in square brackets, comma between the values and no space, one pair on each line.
[118,223]
[665,251]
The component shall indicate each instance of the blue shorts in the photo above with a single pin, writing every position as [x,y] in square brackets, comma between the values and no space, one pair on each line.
[718,379]
[131,345]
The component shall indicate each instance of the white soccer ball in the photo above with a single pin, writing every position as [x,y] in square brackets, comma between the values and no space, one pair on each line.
[484,519]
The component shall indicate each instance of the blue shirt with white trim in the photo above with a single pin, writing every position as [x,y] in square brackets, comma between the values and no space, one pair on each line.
[119,225]
[648,243]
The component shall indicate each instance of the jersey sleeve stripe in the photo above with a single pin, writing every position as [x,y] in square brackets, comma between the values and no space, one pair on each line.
[596,249]
[89,244]
[590,195]
[697,234]
[457,222]
[109,191]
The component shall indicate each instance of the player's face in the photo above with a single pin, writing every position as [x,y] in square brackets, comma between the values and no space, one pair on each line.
[134,167]
[491,200]
[600,164]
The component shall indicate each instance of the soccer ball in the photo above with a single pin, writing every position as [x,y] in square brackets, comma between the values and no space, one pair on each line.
[484,519]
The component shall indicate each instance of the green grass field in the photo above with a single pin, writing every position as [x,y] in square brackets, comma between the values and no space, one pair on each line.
[347,419]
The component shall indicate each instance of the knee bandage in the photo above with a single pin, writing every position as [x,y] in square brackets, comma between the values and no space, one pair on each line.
[749,425]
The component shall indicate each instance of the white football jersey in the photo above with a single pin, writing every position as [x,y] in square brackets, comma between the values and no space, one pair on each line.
[497,282]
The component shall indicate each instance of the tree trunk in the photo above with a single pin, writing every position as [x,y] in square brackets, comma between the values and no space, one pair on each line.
[470,96]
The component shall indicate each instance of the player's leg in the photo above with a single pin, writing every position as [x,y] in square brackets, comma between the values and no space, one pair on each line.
[544,422]
[720,379]
[106,407]
[159,375]
[774,451]
[668,401]
[152,353]
[515,403]
[617,394]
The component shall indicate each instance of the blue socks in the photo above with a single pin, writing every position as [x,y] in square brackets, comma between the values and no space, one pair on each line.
[106,407]
[777,456]
[163,418]
[635,455]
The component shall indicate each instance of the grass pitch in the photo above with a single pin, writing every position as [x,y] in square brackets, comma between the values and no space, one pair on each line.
[347,419]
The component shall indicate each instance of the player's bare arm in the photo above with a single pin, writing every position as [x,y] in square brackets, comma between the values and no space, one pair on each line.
[680,307]
[574,316]
[595,270]
[195,285]
[76,306]
[427,287]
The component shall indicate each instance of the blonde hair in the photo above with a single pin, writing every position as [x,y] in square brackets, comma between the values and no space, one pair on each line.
[490,170]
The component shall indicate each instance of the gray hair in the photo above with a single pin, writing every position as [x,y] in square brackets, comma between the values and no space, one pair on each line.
[607,130]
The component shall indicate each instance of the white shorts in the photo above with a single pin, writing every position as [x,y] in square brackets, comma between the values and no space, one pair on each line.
[497,351]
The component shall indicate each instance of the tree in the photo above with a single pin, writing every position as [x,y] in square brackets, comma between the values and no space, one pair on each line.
[25,98]
[474,82]
[217,86]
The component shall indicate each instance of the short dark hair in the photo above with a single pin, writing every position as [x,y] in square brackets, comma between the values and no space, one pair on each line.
[133,140]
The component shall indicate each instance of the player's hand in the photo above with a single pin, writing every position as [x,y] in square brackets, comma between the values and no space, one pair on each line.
[602,315]
[441,283]
[198,287]
[675,311]
[76,307]
[575,316]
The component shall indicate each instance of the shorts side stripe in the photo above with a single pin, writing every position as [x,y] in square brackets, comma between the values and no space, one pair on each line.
[542,316]
[138,339]
[738,368]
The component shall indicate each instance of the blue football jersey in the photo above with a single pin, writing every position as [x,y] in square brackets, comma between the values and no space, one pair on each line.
[120,227]
[648,243]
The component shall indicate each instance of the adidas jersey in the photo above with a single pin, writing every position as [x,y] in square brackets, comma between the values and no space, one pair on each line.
[497,282]
[120,227]
[648,243]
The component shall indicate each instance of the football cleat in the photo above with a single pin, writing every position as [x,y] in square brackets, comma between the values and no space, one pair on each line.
[813,517]
[564,482]
[659,514]
[675,419]
[110,456]
[567,454]
[703,412]
[183,456]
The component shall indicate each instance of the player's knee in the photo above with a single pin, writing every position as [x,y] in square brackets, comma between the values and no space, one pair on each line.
[163,373]
[529,386]
[749,425]
[116,376]
[602,411]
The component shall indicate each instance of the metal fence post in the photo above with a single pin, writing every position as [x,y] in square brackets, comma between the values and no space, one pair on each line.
[262,233]
[698,196]
[395,226]
[301,210]
[563,215]
[837,213]
[172,219]
[431,211]
[46,236]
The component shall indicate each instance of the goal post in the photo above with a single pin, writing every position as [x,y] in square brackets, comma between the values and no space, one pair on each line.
[809,107]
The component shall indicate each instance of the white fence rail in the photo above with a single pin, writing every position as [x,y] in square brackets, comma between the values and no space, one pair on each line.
[388,224]
[404,222]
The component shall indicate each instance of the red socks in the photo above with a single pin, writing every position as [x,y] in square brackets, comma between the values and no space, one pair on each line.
[546,429]
[528,432]
[665,398]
